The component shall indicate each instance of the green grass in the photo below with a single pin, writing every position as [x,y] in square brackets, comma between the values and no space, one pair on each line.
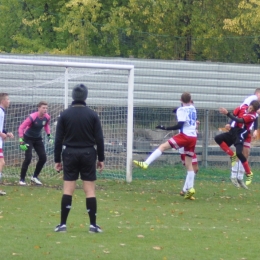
[146,219]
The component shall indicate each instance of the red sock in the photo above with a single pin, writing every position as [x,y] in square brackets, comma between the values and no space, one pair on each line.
[246,167]
[226,149]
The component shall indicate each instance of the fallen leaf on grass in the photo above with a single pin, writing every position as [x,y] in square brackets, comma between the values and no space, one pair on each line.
[157,247]
[37,247]
[16,254]
[140,236]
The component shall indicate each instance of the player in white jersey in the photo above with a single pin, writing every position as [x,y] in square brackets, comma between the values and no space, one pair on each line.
[237,170]
[4,103]
[187,138]
[194,159]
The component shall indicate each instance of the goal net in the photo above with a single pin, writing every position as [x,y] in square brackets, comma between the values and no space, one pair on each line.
[110,94]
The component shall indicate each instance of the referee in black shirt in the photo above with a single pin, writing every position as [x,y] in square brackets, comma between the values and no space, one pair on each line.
[78,131]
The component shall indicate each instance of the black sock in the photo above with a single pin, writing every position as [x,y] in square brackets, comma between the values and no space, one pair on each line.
[91,205]
[66,202]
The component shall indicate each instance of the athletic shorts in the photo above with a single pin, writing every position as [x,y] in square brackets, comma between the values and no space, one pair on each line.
[1,153]
[185,141]
[79,162]
[235,136]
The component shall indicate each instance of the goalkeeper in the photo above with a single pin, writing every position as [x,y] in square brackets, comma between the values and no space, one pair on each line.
[30,137]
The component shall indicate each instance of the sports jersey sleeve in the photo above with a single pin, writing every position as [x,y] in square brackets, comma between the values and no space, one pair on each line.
[24,125]
[234,118]
[47,126]
[59,139]
[175,127]
[99,139]
[236,111]
[249,118]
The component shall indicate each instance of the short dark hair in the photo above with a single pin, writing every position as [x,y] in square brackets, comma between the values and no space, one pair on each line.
[3,96]
[42,103]
[255,105]
[186,97]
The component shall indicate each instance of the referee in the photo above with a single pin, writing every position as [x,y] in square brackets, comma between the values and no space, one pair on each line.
[78,131]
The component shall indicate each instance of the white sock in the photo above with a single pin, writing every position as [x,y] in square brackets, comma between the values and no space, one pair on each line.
[234,170]
[185,186]
[189,182]
[241,171]
[156,154]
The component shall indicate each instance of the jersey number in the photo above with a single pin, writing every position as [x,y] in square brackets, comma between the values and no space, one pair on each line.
[192,118]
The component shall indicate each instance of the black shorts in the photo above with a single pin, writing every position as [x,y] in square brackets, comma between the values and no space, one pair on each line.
[235,136]
[79,161]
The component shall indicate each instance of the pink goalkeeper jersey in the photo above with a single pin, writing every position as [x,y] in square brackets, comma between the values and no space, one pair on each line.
[33,124]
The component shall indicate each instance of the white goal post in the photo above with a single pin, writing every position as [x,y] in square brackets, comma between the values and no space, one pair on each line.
[107,79]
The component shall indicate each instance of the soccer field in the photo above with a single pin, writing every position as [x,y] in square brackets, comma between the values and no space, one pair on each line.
[146,219]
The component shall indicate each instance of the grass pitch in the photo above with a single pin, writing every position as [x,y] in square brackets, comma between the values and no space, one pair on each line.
[146,219]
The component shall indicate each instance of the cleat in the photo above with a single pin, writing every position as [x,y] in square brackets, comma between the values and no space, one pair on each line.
[242,184]
[142,165]
[2,193]
[22,182]
[233,159]
[60,228]
[36,180]
[95,229]
[182,193]
[189,193]
[235,182]
[249,178]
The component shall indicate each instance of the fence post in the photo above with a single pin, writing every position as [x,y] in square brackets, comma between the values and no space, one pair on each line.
[66,88]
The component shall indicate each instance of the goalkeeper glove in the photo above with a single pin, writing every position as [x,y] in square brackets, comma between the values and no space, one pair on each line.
[23,145]
[160,127]
[50,139]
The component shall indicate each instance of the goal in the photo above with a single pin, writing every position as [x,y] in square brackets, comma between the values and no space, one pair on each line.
[110,88]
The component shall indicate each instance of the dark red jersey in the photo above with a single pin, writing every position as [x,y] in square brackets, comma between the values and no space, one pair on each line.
[249,118]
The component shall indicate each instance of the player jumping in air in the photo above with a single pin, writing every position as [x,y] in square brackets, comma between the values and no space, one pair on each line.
[243,117]
[237,170]
[187,138]
[194,160]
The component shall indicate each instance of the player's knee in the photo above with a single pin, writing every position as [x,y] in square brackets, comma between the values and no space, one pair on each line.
[241,157]
[28,160]
[43,158]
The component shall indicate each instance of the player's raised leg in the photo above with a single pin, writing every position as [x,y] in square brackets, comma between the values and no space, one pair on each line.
[156,154]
